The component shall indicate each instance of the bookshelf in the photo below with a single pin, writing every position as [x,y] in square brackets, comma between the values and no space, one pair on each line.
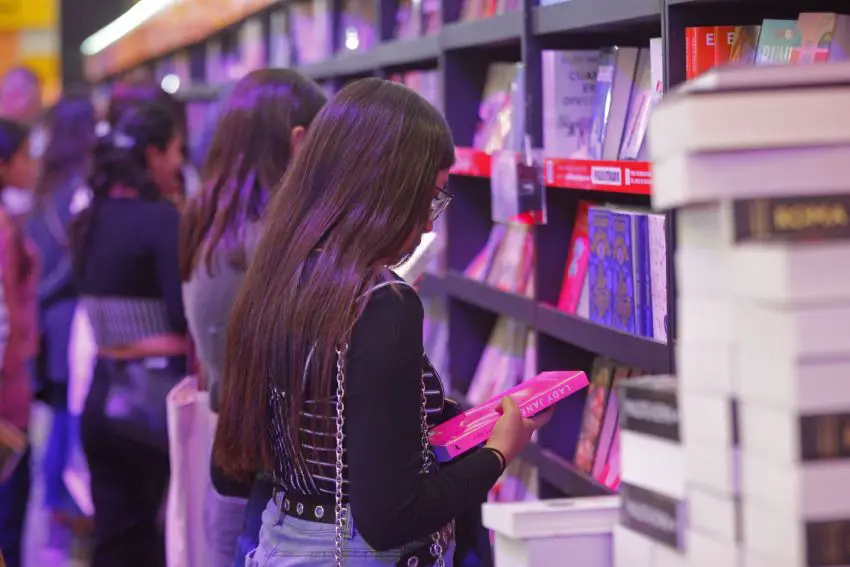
[461,52]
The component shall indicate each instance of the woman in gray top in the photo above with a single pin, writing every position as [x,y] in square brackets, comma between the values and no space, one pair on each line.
[262,124]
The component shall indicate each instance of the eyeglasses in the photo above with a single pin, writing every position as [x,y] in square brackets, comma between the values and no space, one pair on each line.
[439,203]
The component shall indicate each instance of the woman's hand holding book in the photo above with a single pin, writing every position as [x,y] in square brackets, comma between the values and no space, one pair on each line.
[513,432]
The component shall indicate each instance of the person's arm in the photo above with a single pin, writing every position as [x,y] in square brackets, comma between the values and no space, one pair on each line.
[165,237]
[9,264]
[392,503]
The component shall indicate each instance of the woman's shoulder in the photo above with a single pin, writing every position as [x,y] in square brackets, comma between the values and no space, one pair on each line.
[392,298]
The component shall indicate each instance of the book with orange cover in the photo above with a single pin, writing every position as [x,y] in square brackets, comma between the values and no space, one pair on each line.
[699,50]
[724,38]
[594,409]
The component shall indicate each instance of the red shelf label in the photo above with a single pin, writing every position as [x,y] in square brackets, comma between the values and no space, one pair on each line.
[614,176]
[471,162]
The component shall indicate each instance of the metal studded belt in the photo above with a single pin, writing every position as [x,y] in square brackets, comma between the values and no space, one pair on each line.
[310,508]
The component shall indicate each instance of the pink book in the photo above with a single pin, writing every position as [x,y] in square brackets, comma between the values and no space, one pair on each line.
[471,428]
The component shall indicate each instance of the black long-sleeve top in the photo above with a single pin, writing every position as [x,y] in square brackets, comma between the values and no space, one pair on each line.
[130,279]
[391,502]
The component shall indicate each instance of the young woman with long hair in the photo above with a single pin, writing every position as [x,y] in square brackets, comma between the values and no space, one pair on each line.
[262,124]
[326,385]
[61,190]
[125,261]
[18,277]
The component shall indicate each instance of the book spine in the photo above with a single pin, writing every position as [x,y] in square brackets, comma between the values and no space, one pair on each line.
[577,260]
[601,102]
[794,219]
[599,278]
[724,38]
[621,261]
[644,275]
[658,275]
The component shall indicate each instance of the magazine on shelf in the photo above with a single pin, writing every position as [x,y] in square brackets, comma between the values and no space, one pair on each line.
[471,428]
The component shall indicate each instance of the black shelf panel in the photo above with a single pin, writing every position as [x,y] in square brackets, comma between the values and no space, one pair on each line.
[431,285]
[497,30]
[345,65]
[408,52]
[593,15]
[489,298]
[562,474]
[646,354]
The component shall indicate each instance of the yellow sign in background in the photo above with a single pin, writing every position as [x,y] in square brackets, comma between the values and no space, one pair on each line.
[29,35]
[17,15]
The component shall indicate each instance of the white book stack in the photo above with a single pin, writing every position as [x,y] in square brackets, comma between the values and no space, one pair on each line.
[653,515]
[756,160]
[575,531]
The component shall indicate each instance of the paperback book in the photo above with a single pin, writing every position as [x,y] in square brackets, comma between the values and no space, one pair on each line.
[472,428]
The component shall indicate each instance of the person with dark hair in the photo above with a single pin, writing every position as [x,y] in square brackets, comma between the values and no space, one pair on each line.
[60,192]
[21,101]
[262,124]
[126,268]
[18,274]
[328,341]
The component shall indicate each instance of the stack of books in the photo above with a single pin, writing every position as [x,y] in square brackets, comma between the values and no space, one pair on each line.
[764,310]
[653,509]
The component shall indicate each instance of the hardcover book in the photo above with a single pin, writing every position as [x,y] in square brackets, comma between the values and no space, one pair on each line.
[823,37]
[577,260]
[623,315]
[594,409]
[794,219]
[614,80]
[658,275]
[776,40]
[569,82]
[745,44]
[600,278]
[472,428]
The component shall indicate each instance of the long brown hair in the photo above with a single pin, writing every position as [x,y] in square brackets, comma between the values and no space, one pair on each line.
[249,154]
[361,185]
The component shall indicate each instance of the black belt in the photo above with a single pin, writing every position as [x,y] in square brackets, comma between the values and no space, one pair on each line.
[311,508]
[322,509]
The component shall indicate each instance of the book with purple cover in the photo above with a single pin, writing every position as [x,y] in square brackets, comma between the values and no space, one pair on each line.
[472,428]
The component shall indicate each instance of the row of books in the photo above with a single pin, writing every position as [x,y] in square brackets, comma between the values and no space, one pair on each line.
[742,458]
[596,103]
[616,272]
[812,37]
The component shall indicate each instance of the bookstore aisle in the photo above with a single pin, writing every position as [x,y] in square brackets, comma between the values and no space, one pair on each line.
[646,191]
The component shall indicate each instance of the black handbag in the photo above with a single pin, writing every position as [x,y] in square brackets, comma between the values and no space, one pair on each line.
[135,402]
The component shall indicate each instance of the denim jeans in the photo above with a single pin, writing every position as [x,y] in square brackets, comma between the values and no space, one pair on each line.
[286,541]
[249,539]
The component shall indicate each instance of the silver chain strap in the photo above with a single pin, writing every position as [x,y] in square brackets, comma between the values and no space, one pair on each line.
[427,462]
[340,438]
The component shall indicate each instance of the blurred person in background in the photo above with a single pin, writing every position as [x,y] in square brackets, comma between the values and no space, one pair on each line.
[261,126]
[21,100]
[124,248]
[19,276]
[131,94]
[61,192]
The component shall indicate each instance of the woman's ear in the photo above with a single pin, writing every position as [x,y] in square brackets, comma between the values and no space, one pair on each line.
[296,138]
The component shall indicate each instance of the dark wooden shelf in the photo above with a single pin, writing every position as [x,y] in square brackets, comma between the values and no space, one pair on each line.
[593,15]
[408,52]
[496,30]
[641,352]
[489,298]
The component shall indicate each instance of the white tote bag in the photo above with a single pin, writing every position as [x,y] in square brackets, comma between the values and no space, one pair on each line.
[191,427]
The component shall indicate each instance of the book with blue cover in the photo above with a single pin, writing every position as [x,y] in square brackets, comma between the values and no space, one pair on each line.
[600,278]
[630,256]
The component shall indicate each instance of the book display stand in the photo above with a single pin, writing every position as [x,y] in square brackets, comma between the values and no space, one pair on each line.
[460,51]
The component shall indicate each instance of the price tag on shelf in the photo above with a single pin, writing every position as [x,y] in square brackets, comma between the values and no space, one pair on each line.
[517,188]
